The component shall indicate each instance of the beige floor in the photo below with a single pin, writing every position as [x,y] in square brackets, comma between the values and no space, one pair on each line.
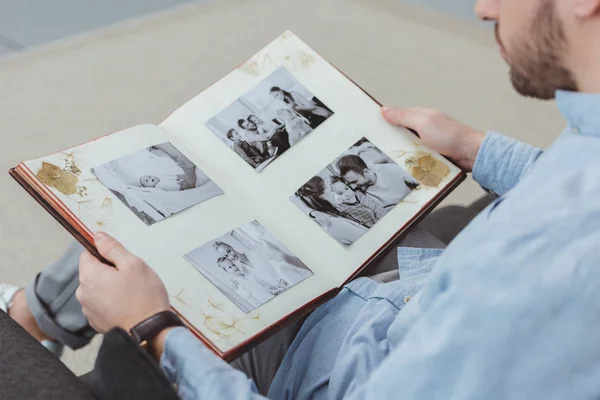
[72,91]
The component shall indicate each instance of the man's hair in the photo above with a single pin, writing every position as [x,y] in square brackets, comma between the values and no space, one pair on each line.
[220,262]
[230,134]
[336,179]
[275,89]
[216,245]
[241,122]
[351,163]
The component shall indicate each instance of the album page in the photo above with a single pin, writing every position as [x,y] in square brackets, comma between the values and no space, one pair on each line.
[307,152]
[227,273]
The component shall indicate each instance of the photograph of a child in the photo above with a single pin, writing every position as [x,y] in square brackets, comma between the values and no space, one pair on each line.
[156,182]
[354,192]
[249,265]
[268,120]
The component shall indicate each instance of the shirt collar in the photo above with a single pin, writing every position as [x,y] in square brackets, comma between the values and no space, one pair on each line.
[581,110]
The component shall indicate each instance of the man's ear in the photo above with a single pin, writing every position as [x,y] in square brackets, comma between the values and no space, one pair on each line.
[586,8]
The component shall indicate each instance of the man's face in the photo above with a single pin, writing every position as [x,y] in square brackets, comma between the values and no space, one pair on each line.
[224,250]
[255,119]
[230,267]
[249,125]
[532,40]
[356,180]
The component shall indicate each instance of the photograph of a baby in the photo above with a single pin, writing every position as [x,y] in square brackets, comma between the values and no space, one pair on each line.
[268,120]
[354,192]
[156,182]
[249,265]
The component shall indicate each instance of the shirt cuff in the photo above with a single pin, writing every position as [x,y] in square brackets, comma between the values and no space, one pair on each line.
[502,161]
[197,371]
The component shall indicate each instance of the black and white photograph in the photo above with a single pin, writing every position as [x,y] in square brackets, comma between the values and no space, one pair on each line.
[156,182]
[268,120]
[249,265]
[354,192]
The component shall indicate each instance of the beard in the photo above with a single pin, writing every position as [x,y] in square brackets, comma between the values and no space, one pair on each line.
[538,70]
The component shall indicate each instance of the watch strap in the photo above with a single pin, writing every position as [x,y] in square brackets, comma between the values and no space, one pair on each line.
[152,326]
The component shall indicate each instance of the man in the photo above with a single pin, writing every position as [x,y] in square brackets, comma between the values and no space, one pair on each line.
[385,182]
[512,306]
[277,138]
[248,152]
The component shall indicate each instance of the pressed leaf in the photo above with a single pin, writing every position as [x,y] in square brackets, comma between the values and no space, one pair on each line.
[440,169]
[426,162]
[45,177]
[66,183]
[51,169]
[429,171]
[418,173]
[431,180]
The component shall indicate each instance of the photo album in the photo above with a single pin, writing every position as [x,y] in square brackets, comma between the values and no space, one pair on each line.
[257,200]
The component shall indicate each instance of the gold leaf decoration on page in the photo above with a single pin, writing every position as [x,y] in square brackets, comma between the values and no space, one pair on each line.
[256,317]
[179,297]
[104,223]
[107,203]
[214,303]
[428,170]
[214,325]
[286,35]
[306,60]
[397,154]
[71,160]
[256,65]
[233,325]
[82,204]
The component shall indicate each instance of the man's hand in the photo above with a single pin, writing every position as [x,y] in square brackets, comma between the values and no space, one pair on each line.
[118,297]
[441,133]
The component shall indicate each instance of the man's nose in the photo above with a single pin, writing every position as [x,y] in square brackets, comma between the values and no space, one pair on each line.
[487,10]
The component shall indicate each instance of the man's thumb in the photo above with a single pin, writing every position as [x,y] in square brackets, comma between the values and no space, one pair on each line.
[408,118]
[110,248]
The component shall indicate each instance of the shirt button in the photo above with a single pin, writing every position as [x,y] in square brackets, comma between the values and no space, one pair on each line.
[407,299]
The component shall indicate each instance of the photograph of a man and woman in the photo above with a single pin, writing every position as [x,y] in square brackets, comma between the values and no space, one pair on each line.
[272,117]
[249,265]
[156,182]
[354,192]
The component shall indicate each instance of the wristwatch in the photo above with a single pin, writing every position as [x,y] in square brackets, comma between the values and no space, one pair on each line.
[146,330]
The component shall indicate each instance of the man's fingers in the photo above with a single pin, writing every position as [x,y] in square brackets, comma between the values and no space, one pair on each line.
[90,268]
[414,118]
[111,249]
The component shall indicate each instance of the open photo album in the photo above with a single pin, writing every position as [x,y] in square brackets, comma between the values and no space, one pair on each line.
[255,201]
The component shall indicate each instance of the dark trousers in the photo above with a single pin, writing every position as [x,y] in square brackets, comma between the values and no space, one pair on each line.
[29,371]
[122,371]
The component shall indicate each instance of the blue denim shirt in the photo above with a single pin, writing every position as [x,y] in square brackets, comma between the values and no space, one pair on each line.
[511,308]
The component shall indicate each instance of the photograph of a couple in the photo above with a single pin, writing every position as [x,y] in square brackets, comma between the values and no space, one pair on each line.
[354,192]
[249,265]
[156,182]
[268,120]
